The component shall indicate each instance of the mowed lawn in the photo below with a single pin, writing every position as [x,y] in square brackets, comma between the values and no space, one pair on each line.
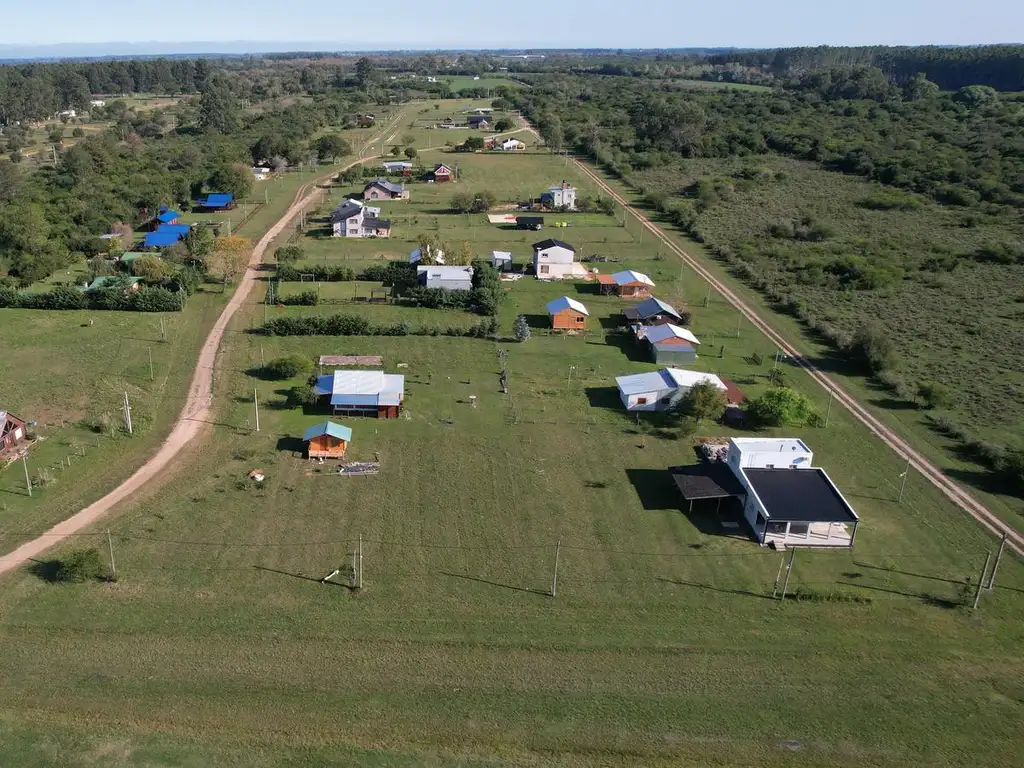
[662,647]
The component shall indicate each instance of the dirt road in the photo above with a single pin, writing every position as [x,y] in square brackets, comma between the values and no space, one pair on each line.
[198,406]
[933,474]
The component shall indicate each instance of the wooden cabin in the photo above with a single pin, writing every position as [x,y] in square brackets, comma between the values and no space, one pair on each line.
[567,314]
[327,440]
[13,434]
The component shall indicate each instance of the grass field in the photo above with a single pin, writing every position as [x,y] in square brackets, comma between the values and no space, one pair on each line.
[954,320]
[217,644]
[460,83]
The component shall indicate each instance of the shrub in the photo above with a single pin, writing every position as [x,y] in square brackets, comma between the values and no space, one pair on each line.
[933,394]
[288,253]
[302,395]
[80,565]
[308,298]
[287,367]
[521,329]
[872,346]
[703,402]
[780,407]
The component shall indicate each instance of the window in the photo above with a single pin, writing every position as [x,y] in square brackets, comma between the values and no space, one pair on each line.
[666,400]
[641,401]
[544,269]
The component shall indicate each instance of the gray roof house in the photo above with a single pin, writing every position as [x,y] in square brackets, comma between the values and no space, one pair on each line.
[382,189]
[448,278]
[562,196]
[352,219]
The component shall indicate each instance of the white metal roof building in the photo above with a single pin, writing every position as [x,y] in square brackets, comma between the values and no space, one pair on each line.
[660,390]
[659,333]
[362,390]
[629,277]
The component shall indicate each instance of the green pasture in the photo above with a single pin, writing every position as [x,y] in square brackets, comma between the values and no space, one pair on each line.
[218,643]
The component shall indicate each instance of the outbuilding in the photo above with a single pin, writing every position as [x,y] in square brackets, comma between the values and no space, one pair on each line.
[443,174]
[652,311]
[501,260]
[13,434]
[363,393]
[218,201]
[446,278]
[660,390]
[669,344]
[567,314]
[382,189]
[627,284]
[327,440]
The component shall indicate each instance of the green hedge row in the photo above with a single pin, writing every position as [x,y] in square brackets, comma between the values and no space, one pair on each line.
[146,299]
[357,325]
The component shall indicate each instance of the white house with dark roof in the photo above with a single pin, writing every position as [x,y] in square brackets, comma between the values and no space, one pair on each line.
[562,196]
[353,219]
[556,260]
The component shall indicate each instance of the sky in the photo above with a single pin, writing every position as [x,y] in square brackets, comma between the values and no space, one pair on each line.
[308,24]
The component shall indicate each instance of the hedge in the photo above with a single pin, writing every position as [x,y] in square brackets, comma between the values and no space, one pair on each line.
[357,325]
[146,299]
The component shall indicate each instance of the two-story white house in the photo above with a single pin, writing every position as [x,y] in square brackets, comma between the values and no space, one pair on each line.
[353,219]
[556,260]
[562,196]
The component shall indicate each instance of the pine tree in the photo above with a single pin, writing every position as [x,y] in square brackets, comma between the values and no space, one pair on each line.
[520,329]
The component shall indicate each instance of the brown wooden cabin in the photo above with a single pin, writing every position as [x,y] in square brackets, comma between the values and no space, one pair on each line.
[327,440]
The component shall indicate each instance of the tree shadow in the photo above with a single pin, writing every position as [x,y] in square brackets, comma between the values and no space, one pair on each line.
[893,404]
[46,570]
[588,289]
[985,480]
[495,583]
[909,573]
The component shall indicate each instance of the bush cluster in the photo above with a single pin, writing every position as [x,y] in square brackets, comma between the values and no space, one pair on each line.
[146,299]
[356,325]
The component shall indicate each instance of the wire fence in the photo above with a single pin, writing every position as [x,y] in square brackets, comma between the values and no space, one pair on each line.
[561,568]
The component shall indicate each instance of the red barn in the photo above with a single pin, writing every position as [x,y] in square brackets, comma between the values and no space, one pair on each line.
[442,173]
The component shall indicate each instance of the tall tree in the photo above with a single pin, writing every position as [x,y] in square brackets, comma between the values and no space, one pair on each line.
[232,178]
[218,108]
[229,258]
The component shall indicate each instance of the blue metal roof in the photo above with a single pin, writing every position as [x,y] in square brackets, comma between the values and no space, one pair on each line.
[328,428]
[166,236]
[167,216]
[217,200]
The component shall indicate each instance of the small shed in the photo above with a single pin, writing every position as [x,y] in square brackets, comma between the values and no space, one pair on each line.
[652,311]
[327,440]
[669,344]
[535,223]
[567,314]
[13,434]
[442,173]
[166,235]
[501,260]
[217,201]
[447,278]
[628,284]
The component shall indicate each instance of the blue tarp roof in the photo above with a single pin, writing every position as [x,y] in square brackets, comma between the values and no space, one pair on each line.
[328,428]
[166,235]
[217,200]
[167,216]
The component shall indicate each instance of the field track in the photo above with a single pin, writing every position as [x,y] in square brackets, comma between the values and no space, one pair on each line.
[199,405]
[933,474]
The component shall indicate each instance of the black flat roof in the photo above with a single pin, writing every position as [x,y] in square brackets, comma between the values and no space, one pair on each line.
[706,481]
[799,495]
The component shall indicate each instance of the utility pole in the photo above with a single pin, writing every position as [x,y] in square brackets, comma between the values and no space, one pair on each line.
[778,577]
[828,411]
[554,576]
[128,415]
[150,350]
[262,364]
[707,296]
[903,485]
[163,331]
[981,580]
[28,482]
[739,320]
[789,572]
[359,561]
[995,566]
[568,381]
[113,568]
[256,406]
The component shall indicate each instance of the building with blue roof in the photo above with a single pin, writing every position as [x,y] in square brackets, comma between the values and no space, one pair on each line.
[218,201]
[166,235]
[327,440]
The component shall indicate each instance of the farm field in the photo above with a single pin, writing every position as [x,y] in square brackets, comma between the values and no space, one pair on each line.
[975,304]
[217,644]
[460,83]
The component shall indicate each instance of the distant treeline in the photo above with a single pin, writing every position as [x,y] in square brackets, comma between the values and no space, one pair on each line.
[998,66]
[35,91]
